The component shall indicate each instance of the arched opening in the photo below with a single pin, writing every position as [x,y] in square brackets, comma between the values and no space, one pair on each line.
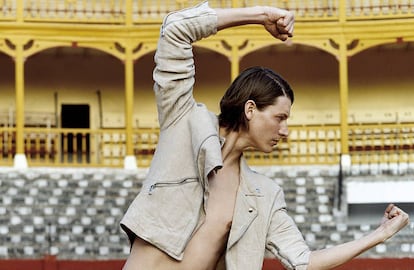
[59,84]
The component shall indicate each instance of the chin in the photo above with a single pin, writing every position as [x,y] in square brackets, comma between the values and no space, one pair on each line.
[267,150]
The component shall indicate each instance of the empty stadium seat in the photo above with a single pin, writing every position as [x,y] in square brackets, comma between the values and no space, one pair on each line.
[89,238]
[79,191]
[100,229]
[301,209]
[91,211]
[126,250]
[70,211]
[325,218]
[80,250]
[6,200]
[299,218]
[77,229]
[54,250]
[28,229]
[381,248]
[86,221]
[57,192]
[406,248]
[64,238]
[300,199]
[310,237]
[15,238]
[15,220]
[4,229]
[301,190]
[28,250]
[99,201]
[40,238]
[38,220]
[114,238]
[75,201]
[63,220]
[335,237]
[103,250]
[316,228]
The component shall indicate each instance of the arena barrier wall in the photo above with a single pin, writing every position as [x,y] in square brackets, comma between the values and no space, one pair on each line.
[52,263]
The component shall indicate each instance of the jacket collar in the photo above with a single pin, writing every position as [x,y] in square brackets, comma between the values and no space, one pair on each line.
[205,141]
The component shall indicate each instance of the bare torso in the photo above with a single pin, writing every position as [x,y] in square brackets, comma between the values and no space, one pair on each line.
[208,244]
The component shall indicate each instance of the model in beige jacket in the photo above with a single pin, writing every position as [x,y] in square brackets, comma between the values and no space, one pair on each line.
[201,207]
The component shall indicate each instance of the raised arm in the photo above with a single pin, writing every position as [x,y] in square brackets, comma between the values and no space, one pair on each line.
[175,70]
[394,220]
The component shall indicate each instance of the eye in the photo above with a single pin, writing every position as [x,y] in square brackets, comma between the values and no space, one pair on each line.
[281,118]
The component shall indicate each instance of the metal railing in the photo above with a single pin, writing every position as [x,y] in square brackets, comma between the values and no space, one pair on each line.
[385,143]
[143,11]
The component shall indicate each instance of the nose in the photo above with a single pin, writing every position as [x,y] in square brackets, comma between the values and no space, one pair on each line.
[284,130]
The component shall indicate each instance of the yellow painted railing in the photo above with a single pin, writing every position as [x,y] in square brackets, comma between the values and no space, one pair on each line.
[143,11]
[78,147]
[386,143]
[305,145]
[391,143]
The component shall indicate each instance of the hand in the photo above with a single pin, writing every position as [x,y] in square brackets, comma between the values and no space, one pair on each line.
[279,23]
[394,220]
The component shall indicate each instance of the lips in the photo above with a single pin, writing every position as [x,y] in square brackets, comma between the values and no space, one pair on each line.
[274,142]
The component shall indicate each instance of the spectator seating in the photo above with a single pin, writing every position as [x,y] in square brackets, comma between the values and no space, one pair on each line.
[75,213]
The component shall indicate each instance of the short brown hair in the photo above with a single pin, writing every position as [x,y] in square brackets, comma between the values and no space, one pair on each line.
[262,85]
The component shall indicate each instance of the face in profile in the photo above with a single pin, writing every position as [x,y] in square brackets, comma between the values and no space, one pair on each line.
[268,126]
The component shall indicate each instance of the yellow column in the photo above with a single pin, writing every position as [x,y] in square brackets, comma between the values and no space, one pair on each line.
[130,160]
[19,11]
[235,65]
[20,158]
[343,89]
[128,12]
[342,11]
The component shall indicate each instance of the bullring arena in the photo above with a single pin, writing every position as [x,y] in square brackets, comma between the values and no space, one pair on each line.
[78,122]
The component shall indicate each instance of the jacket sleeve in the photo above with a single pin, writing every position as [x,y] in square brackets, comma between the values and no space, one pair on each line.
[174,71]
[284,239]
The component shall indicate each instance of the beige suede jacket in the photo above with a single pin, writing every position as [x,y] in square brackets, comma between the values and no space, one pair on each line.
[171,203]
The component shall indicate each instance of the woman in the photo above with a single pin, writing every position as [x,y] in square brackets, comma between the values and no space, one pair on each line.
[201,207]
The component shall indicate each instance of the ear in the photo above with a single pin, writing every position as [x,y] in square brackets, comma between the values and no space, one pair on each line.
[249,108]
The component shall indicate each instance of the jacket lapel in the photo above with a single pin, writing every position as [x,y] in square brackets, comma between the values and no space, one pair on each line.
[245,211]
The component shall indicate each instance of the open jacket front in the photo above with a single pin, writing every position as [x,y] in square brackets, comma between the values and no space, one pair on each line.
[172,202]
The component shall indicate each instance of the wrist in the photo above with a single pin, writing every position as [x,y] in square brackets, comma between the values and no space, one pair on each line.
[380,235]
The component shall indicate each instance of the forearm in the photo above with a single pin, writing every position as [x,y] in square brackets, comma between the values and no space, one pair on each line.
[278,22]
[332,257]
[393,221]
[239,16]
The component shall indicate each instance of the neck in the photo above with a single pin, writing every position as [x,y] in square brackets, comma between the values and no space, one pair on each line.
[230,151]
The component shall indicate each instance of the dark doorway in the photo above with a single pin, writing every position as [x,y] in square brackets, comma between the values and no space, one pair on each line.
[75,145]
